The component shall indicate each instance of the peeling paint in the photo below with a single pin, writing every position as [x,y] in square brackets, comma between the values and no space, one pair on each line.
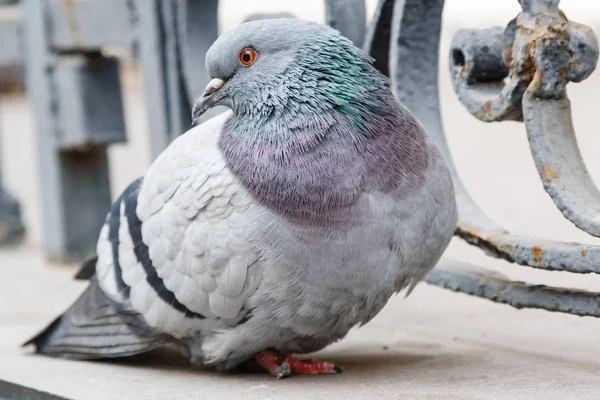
[549,173]
[537,253]
[504,74]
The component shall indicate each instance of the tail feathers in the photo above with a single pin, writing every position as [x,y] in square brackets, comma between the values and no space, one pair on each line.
[87,269]
[93,328]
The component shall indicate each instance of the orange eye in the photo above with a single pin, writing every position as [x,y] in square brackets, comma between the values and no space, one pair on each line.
[247,56]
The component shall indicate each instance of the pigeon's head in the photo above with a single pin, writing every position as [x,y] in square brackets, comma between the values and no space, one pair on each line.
[288,68]
[314,123]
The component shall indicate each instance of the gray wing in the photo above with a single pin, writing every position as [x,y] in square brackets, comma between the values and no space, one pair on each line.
[177,246]
[174,256]
[95,327]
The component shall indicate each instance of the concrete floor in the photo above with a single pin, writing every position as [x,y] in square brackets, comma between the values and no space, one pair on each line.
[433,345]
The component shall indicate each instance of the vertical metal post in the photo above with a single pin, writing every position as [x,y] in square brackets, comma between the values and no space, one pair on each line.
[39,89]
[177,101]
[197,30]
[74,176]
[150,42]
[173,37]
[11,227]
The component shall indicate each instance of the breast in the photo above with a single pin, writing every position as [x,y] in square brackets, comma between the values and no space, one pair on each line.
[324,279]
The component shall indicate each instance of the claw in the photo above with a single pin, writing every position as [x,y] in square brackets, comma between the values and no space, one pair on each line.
[283,371]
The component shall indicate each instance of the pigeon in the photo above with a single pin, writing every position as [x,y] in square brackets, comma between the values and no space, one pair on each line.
[272,229]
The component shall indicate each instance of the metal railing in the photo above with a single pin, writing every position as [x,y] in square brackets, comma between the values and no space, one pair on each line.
[515,73]
[11,226]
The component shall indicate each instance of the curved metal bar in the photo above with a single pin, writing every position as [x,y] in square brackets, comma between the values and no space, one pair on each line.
[479,59]
[559,163]
[544,51]
[538,253]
[377,39]
[414,42]
[177,103]
[349,17]
[478,69]
[547,113]
[466,278]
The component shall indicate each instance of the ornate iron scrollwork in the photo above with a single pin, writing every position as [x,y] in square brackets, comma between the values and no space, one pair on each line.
[517,73]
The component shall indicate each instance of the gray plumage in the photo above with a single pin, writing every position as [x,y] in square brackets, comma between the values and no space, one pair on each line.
[278,225]
[94,327]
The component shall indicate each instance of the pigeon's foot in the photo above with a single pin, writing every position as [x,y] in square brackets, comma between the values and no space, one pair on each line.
[281,366]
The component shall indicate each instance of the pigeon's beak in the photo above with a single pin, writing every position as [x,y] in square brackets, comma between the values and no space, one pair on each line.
[208,99]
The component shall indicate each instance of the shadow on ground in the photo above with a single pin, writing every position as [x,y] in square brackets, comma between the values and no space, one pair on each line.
[356,362]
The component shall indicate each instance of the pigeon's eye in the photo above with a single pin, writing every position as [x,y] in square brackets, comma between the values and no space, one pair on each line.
[247,56]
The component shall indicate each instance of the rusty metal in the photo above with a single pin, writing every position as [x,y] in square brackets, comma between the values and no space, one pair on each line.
[540,51]
[478,69]
[480,282]
[413,66]
[478,73]
[493,73]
